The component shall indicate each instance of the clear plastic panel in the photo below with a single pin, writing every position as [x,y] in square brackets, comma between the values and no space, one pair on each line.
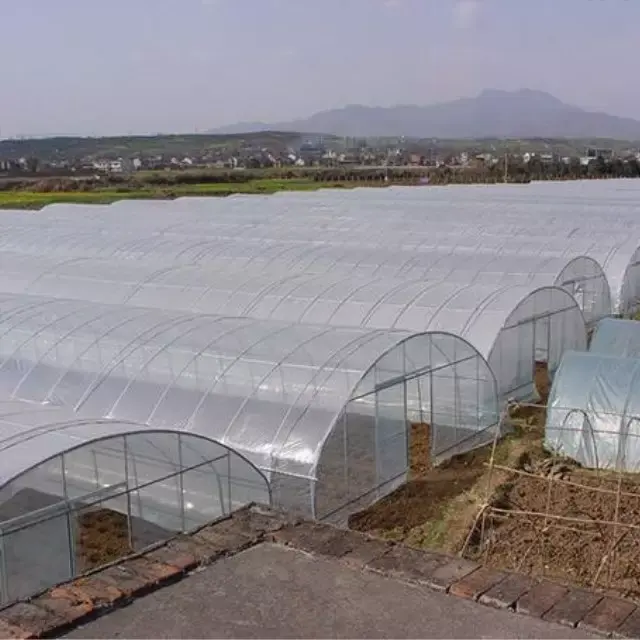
[156,511]
[243,483]
[39,488]
[361,468]
[94,467]
[391,434]
[35,556]
[206,493]
[151,457]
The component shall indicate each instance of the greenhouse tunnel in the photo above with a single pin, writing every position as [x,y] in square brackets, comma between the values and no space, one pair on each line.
[616,337]
[489,258]
[492,260]
[306,219]
[547,320]
[274,392]
[79,492]
[268,219]
[205,289]
[520,331]
[593,414]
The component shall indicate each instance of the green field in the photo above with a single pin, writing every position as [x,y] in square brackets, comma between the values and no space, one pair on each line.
[27,199]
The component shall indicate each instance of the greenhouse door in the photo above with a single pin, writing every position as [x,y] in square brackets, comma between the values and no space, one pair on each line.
[444,395]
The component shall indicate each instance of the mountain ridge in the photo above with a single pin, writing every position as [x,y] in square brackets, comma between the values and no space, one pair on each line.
[493,113]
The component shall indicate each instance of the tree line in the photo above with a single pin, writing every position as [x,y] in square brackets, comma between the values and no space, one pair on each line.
[509,171]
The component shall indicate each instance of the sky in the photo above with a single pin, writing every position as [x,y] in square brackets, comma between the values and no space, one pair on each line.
[109,67]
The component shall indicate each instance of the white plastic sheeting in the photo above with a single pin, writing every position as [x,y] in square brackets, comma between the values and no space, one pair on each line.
[200,230]
[593,413]
[321,410]
[581,276]
[497,221]
[511,326]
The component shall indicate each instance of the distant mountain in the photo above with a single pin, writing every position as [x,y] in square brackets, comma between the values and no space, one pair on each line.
[492,114]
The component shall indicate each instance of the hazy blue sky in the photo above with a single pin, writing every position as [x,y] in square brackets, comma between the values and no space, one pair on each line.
[144,66]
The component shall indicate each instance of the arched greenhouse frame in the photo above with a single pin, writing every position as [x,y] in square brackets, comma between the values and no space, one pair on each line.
[273,392]
[62,475]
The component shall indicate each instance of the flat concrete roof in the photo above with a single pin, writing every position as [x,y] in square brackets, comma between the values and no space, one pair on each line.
[274,591]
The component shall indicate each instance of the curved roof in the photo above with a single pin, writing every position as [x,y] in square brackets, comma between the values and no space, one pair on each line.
[311,231]
[308,216]
[472,310]
[192,232]
[271,391]
[32,434]
[279,260]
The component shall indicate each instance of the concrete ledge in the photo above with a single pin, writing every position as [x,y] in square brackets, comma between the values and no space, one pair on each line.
[66,606]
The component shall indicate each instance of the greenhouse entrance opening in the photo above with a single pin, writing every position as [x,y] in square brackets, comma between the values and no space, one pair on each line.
[542,346]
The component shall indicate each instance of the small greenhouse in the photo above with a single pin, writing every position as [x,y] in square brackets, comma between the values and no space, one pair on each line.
[322,411]
[60,472]
[593,413]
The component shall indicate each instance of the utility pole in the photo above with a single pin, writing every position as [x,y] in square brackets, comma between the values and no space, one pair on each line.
[506,167]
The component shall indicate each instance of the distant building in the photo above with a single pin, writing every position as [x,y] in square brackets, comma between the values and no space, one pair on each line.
[593,153]
[109,166]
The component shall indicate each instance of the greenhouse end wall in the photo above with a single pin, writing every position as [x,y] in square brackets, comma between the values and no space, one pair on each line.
[436,382]
[539,330]
[113,497]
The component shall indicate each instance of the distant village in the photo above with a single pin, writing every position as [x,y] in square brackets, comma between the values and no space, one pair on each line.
[310,152]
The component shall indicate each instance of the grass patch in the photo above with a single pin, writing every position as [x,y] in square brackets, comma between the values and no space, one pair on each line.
[27,199]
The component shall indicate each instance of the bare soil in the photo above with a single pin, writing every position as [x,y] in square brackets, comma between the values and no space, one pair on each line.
[585,547]
[427,492]
[542,380]
[102,537]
